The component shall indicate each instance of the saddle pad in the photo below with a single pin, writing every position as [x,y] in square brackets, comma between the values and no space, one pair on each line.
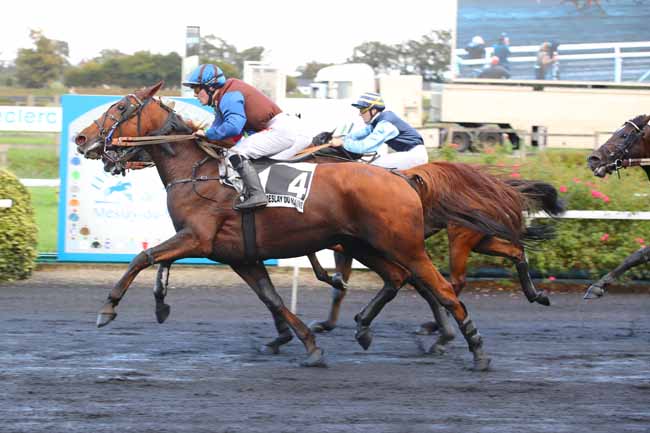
[288,185]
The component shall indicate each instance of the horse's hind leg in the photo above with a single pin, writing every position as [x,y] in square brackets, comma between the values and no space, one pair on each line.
[339,288]
[427,277]
[461,242]
[598,289]
[160,291]
[499,247]
[258,279]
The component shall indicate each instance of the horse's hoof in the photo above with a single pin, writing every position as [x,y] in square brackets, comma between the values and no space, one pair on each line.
[364,337]
[338,282]
[316,359]
[594,292]
[437,349]
[481,364]
[427,328]
[270,349]
[543,299]
[319,327]
[162,313]
[104,319]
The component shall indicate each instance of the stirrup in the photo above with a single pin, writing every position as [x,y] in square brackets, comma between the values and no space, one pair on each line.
[250,203]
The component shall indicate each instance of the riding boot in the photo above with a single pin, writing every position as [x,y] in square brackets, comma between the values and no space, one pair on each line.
[253,196]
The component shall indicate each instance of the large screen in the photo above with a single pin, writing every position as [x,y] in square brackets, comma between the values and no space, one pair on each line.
[577,40]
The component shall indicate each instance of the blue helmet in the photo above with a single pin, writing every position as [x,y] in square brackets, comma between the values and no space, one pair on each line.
[207,75]
[370,100]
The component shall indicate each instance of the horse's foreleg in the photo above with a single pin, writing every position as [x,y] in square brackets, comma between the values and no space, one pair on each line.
[394,277]
[502,248]
[441,323]
[160,291]
[179,246]
[599,288]
[338,281]
[258,279]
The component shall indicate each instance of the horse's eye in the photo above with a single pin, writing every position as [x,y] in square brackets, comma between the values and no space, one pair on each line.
[120,107]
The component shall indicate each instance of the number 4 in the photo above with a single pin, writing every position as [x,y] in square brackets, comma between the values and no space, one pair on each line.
[297,186]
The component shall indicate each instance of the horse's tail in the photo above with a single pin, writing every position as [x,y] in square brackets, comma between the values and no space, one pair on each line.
[470,197]
[540,196]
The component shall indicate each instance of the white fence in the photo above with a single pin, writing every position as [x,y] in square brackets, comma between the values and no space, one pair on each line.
[616,51]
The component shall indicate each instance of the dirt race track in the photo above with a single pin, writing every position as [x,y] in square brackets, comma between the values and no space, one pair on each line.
[576,366]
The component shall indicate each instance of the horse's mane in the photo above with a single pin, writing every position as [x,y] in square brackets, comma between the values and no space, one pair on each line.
[448,188]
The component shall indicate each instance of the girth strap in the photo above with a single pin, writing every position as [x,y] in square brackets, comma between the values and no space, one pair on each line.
[248,230]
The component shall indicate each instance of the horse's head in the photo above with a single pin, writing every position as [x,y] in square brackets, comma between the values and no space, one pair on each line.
[632,140]
[136,115]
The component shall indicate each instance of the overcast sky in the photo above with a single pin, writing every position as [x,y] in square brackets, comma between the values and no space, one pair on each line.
[293,32]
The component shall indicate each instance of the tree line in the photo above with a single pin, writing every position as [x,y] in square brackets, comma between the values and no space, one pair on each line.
[46,63]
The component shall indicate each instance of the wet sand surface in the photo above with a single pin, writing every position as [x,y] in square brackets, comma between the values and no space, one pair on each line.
[576,366]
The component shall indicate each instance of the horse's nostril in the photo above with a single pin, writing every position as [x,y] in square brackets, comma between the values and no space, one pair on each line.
[80,140]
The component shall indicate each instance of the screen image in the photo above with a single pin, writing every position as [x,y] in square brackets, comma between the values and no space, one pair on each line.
[578,40]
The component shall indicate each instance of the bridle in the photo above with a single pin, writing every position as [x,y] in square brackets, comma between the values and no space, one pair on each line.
[121,152]
[128,110]
[621,151]
[129,106]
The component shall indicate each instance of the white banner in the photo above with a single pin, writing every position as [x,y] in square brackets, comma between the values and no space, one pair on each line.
[31,119]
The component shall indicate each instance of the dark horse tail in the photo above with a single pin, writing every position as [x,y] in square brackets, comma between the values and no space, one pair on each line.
[470,197]
[540,196]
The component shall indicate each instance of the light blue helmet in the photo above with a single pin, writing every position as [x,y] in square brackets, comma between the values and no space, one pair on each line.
[207,75]
[370,100]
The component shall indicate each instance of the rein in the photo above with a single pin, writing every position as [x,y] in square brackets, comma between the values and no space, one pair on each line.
[630,162]
[149,140]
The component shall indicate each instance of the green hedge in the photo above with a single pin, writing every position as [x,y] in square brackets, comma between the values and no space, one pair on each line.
[18,230]
[588,247]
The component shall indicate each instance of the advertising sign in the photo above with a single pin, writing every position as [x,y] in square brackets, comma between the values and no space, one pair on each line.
[104,217]
[30,119]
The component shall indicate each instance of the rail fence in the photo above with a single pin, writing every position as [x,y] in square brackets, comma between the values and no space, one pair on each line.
[613,61]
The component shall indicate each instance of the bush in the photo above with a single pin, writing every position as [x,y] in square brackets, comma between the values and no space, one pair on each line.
[18,230]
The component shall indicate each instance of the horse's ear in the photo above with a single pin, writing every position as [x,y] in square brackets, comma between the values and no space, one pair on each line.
[150,91]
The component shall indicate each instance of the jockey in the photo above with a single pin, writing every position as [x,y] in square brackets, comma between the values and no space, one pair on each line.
[384,127]
[245,116]
[381,127]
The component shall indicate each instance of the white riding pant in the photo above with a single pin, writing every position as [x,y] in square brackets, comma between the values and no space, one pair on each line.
[282,138]
[403,160]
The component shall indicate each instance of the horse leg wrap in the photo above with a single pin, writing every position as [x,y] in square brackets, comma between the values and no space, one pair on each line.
[471,334]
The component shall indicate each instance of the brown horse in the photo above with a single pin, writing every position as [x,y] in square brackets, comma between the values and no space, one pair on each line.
[628,146]
[462,240]
[346,206]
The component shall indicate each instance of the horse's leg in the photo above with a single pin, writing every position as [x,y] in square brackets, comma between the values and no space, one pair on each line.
[431,279]
[338,281]
[427,277]
[281,325]
[394,277]
[461,241]
[258,279]
[160,291]
[499,247]
[598,289]
[181,245]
